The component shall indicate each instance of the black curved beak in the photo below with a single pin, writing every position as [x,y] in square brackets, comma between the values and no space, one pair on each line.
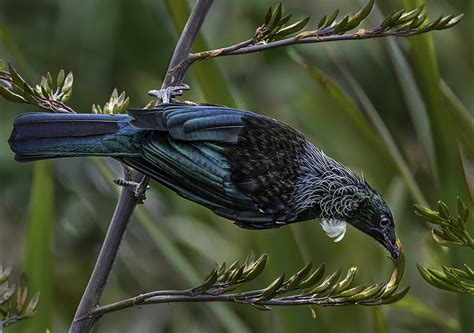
[392,246]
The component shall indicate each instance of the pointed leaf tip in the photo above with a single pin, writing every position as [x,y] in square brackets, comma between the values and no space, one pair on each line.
[358,17]
[61,78]
[331,18]
[291,29]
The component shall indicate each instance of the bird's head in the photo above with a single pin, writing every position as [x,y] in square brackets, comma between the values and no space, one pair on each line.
[340,196]
[373,217]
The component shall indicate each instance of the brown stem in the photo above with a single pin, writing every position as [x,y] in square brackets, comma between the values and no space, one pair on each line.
[382,293]
[127,201]
[185,42]
[175,296]
[249,46]
[104,263]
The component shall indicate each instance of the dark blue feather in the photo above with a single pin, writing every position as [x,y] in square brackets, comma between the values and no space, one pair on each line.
[48,135]
[212,122]
[52,125]
[203,123]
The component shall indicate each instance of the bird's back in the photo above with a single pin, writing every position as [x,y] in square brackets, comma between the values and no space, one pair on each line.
[243,166]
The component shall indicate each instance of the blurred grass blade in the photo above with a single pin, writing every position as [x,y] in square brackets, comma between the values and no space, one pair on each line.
[38,257]
[351,110]
[168,249]
[458,106]
[463,119]
[413,100]
[387,138]
[195,235]
[450,178]
[38,251]
[380,325]
[428,314]
[208,74]
[347,106]
[14,50]
[426,71]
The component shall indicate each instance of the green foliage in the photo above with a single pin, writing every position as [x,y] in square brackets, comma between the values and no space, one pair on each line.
[275,26]
[308,286]
[117,104]
[449,174]
[463,120]
[429,316]
[375,120]
[347,106]
[451,231]
[38,261]
[50,97]
[413,100]
[45,95]
[452,279]
[399,23]
[13,300]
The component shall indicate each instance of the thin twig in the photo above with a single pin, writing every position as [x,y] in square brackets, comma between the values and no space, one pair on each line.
[399,23]
[127,200]
[174,296]
[247,46]
[308,286]
[234,49]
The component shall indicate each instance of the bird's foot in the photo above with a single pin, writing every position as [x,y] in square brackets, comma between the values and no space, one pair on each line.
[138,189]
[168,94]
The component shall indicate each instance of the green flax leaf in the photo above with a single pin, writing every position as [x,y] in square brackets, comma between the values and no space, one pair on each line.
[450,178]
[358,17]
[38,255]
[291,29]
[331,18]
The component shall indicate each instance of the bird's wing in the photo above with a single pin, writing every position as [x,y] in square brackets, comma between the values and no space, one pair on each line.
[241,165]
[199,172]
[204,123]
[191,122]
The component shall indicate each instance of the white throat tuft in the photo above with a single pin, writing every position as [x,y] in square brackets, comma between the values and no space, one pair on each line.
[334,228]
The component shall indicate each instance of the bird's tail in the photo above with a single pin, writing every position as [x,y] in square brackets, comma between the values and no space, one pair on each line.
[37,136]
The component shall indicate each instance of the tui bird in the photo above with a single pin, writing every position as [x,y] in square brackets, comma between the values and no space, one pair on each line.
[243,166]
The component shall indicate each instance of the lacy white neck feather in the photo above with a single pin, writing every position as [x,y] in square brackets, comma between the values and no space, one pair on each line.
[335,229]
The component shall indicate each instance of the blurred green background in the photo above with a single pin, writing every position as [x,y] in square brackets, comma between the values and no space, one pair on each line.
[53,215]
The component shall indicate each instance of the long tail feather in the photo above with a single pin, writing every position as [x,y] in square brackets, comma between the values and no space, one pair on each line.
[48,135]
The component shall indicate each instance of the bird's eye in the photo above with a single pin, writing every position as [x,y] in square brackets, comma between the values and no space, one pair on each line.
[384,222]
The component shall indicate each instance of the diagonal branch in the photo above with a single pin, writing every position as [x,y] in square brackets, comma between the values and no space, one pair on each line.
[127,200]
[186,41]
